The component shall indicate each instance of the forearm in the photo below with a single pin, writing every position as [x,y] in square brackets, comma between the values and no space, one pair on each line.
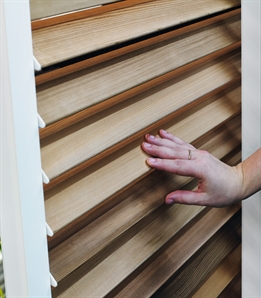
[250,170]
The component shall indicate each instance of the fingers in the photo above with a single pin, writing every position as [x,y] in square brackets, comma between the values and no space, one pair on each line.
[181,167]
[169,136]
[186,197]
[168,152]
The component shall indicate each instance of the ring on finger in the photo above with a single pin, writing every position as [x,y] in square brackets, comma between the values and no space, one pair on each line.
[189,154]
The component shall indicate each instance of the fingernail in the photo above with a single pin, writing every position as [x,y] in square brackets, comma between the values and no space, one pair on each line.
[151,137]
[170,201]
[164,131]
[147,145]
[151,160]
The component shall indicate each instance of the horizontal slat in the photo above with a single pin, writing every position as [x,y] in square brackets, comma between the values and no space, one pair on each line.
[117,266]
[128,164]
[65,258]
[96,134]
[43,9]
[131,254]
[184,282]
[234,289]
[77,15]
[46,76]
[176,254]
[222,276]
[70,94]
[60,42]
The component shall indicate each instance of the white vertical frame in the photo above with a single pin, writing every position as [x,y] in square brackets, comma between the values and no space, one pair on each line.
[23,232]
[251,141]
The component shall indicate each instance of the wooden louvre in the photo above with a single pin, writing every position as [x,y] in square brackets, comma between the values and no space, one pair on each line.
[109,75]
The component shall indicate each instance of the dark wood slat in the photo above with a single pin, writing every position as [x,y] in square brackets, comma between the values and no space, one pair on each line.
[233,289]
[203,262]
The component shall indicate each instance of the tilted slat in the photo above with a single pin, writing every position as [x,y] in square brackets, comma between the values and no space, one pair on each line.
[42,9]
[185,281]
[70,94]
[103,130]
[124,260]
[65,258]
[128,165]
[117,266]
[177,253]
[69,68]
[68,40]
[222,276]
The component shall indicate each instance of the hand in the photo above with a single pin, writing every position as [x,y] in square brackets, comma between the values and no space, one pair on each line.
[218,184]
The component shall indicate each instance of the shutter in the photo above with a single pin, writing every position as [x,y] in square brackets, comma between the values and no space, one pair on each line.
[109,75]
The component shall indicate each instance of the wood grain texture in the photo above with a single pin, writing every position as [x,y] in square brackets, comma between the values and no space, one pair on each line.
[118,265]
[100,233]
[96,134]
[47,76]
[68,40]
[73,93]
[66,260]
[184,282]
[128,165]
[174,255]
[77,15]
[222,276]
[42,9]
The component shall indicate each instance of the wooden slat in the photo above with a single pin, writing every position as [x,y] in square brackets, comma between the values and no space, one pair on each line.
[43,77]
[234,288]
[128,165]
[103,130]
[117,266]
[102,232]
[169,259]
[192,274]
[42,23]
[60,42]
[131,254]
[68,95]
[42,9]
[222,276]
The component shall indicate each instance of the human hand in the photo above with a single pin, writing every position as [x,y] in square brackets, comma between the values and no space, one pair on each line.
[219,185]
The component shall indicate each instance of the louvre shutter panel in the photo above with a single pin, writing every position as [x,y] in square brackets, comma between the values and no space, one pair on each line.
[109,75]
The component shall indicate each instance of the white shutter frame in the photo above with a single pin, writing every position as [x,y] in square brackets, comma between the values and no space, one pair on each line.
[23,229]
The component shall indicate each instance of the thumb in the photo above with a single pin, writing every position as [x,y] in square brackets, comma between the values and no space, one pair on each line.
[185,197]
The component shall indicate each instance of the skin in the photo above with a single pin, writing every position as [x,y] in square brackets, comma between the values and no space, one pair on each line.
[219,185]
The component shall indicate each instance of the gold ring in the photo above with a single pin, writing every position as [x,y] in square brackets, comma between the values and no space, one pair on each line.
[189,155]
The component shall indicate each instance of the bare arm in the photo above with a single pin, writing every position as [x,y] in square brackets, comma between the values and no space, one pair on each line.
[218,184]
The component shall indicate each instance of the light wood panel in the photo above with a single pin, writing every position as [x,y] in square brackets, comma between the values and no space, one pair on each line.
[104,130]
[127,165]
[68,40]
[112,74]
[78,91]
[42,9]
[107,229]
[185,281]
[176,253]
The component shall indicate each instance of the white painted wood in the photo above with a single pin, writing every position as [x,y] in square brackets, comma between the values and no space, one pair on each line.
[251,137]
[23,229]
